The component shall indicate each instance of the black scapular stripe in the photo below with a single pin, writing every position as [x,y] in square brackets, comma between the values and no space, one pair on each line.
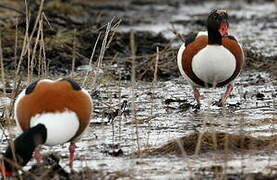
[190,38]
[232,38]
[31,87]
[74,84]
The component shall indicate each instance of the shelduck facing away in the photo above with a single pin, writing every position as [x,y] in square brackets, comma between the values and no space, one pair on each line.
[211,58]
[51,113]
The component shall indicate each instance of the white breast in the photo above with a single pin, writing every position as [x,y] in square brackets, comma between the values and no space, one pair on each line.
[61,127]
[213,64]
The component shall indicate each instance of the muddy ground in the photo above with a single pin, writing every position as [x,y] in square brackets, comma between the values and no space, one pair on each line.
[167,138]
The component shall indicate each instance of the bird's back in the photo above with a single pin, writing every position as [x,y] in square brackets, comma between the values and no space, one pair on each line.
[60,105]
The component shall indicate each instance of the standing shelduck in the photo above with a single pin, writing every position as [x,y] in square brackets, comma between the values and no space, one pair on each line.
[50,113]
[211,58]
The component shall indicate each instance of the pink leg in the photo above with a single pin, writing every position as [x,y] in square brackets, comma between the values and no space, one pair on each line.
[37,155]
[228,91]
[72,148]
[196,95]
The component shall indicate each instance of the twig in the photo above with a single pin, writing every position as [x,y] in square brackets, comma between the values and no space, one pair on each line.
[178,35]
[141,121]
[38,18]
[12,9]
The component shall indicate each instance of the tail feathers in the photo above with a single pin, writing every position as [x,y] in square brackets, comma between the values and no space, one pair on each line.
[21,150]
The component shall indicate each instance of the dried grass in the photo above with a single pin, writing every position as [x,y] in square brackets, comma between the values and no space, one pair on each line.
[234,143]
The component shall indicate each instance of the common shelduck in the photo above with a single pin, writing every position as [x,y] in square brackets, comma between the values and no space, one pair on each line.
[50,113]
[211,58]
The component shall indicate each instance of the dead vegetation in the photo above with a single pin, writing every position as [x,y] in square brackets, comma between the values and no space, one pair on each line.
[213,141]
[51,169]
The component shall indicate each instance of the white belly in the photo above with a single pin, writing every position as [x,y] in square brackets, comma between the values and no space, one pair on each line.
[61,127]
[214,64]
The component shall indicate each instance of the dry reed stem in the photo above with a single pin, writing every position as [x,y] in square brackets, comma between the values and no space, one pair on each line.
[156,66]
[29,49]
[104,44]
[16,42]
[90,59]
[183,152]
[133,87]
[24,41]
[35,49]
[119,107]
[46,20]
[40,60]
[101,56]
[113,31]
[29,61]
[154,79]
[198,145]
[2,66]
[44,63]
[37,18]
[154,82]
[40,32]
[73,54]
